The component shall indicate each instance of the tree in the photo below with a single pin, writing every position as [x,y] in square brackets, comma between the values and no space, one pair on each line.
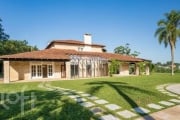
[114,67]
[3,36]
[168,31]
[15,46]
[125,50]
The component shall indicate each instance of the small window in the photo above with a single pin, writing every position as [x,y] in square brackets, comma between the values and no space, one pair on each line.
[33,71]
[39,71]
[80,49]
[50,70]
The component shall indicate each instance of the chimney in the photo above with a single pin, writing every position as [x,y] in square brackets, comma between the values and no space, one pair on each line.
[87,39]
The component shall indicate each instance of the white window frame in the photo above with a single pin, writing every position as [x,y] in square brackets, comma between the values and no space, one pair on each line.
[36,71]
[37,76]
[52,70]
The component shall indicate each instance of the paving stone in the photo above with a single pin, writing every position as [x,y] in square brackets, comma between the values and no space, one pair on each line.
[166,92]
[101,101]
[141,110]
[96,110]
[87,104]
[126,114]
[85,95]
[66,93]
[109,117]
[93,98]
[155,106]
[172,95]
[80,92]
[80,99]
[112,106]
[175,100]
[166,103]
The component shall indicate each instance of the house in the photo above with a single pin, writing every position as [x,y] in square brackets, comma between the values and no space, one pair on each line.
[66,59]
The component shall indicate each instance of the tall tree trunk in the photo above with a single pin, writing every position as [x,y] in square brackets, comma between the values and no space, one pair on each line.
[172,58]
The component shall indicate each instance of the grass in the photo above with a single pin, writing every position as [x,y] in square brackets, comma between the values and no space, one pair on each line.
[49,105]
[128,92]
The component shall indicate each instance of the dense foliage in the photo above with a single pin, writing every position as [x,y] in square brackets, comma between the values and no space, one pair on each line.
[15,46]
[166,67]
[114,67]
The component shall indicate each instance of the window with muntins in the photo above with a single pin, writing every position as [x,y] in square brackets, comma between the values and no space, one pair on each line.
[33,71]
[50,70]
[39,70]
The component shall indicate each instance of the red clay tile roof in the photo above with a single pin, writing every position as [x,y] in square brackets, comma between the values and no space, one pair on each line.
[75,42]
[48,54]
[62,54]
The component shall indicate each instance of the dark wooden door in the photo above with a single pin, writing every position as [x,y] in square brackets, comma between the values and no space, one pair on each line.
[44,71]
[63,71]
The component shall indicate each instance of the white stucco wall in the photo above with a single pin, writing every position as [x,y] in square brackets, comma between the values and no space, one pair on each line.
[124,69]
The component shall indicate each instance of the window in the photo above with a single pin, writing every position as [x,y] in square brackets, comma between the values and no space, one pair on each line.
[74,71]
[39,70]
[80,48]
[50,70]
[33,71]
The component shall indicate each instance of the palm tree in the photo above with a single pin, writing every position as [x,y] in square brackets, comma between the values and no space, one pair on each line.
[168,31]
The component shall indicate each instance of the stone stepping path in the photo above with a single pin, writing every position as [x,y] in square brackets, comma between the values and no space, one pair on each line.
[126,114]
[98,106]
[141,110]
[101,101]
[174,100]
[112,106]
[162,89]
[109,117]
[155,106]
[166,103]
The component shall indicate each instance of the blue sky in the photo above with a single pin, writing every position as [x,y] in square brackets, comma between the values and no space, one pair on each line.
[111,22]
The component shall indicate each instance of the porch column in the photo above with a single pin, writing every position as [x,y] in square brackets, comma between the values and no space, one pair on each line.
[147,70]
[6,71]
[68,70]
[137,70]
[108,69]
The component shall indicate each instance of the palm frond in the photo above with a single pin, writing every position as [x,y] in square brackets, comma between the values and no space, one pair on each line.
[162,22]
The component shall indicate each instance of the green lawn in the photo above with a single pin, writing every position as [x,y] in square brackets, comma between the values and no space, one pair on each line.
[128,92]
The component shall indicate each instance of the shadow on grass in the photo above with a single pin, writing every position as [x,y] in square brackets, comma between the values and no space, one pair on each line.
[120,88]
[48,105]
